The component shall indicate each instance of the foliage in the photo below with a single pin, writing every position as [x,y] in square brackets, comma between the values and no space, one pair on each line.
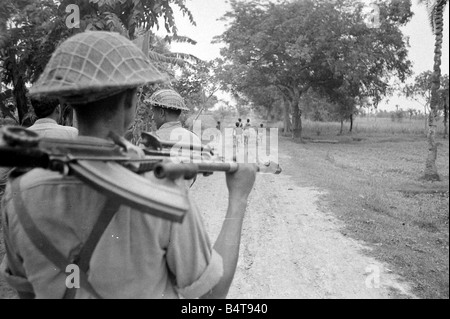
[197,84]
[326,45]
[420,89]
[31,30]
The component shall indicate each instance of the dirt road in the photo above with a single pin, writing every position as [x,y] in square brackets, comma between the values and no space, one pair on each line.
[291,249]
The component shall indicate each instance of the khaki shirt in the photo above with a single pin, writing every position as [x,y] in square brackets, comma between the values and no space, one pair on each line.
[48,128]
[138,256]
[173,131]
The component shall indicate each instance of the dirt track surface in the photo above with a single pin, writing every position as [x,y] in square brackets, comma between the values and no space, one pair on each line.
[292,250]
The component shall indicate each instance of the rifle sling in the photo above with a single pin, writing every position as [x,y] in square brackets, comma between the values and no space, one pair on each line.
[51,252]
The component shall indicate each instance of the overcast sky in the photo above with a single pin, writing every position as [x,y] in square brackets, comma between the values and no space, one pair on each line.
[207,12]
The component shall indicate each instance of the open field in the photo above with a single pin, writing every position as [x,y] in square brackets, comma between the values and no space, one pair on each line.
[374,127]
[373,186]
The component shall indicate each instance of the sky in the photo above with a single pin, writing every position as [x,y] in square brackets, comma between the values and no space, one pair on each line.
[208,12]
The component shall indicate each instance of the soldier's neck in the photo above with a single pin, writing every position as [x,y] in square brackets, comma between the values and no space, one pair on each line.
[101,130]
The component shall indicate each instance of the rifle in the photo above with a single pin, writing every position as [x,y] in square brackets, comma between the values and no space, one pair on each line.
[109,168]
[207,165]
[103,165]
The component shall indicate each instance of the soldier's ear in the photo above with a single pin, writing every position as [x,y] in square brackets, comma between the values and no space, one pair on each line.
[130,96]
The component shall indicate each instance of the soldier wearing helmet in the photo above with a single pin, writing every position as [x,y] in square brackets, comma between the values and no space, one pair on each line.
[138,255]
[167,106]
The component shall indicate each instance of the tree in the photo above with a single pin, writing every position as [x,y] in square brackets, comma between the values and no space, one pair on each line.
[435,10]
[197,85]
[420,91]
[443,98]
[29,34]
[31,30]
[411,113]
[295,46]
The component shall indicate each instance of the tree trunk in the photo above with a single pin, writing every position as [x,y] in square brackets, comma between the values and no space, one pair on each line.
[446,116]
[426,119]
[287,120]
[431,173]
[19,89]
[269,110]
[342,127]
[297,118]
[20,97]
[351,123]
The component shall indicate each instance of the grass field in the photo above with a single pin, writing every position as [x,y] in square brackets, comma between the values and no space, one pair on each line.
[373,127]
[373,181]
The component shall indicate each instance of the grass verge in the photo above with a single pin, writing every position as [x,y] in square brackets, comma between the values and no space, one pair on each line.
[374,187]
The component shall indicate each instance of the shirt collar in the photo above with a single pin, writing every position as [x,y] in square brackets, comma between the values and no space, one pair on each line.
[45,120]
[170,125]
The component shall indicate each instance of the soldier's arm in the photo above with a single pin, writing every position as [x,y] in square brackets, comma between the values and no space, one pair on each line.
[227,245]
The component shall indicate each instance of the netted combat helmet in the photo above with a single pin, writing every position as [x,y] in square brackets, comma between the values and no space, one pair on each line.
[167,99]
[94,65]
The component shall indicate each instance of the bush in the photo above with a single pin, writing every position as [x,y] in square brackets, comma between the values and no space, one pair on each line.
[397,116]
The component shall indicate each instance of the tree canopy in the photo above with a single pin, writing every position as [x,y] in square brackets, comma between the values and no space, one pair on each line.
[30,31]
[324,45]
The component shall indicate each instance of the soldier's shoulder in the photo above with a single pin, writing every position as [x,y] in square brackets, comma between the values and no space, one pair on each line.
[40,177]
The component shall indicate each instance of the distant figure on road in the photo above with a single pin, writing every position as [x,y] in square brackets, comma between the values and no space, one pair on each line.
[247,128]
[218,126]
[237,135]
[260,133]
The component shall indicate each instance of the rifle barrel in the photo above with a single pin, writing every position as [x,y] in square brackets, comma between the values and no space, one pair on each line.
[190,170]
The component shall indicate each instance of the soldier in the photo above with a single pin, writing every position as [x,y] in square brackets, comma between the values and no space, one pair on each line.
[167,107]
[48,111]
[138,256]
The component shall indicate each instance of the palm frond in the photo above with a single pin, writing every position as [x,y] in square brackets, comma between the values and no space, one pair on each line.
[175,58]
[180,39]
[158,57]
[186,57]
[432,6]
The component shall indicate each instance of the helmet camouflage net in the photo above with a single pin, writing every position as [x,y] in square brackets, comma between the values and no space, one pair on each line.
[168,99]
[94,65]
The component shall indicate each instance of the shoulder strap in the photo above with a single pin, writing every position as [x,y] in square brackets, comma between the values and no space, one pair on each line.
[109,210]
[51,252]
